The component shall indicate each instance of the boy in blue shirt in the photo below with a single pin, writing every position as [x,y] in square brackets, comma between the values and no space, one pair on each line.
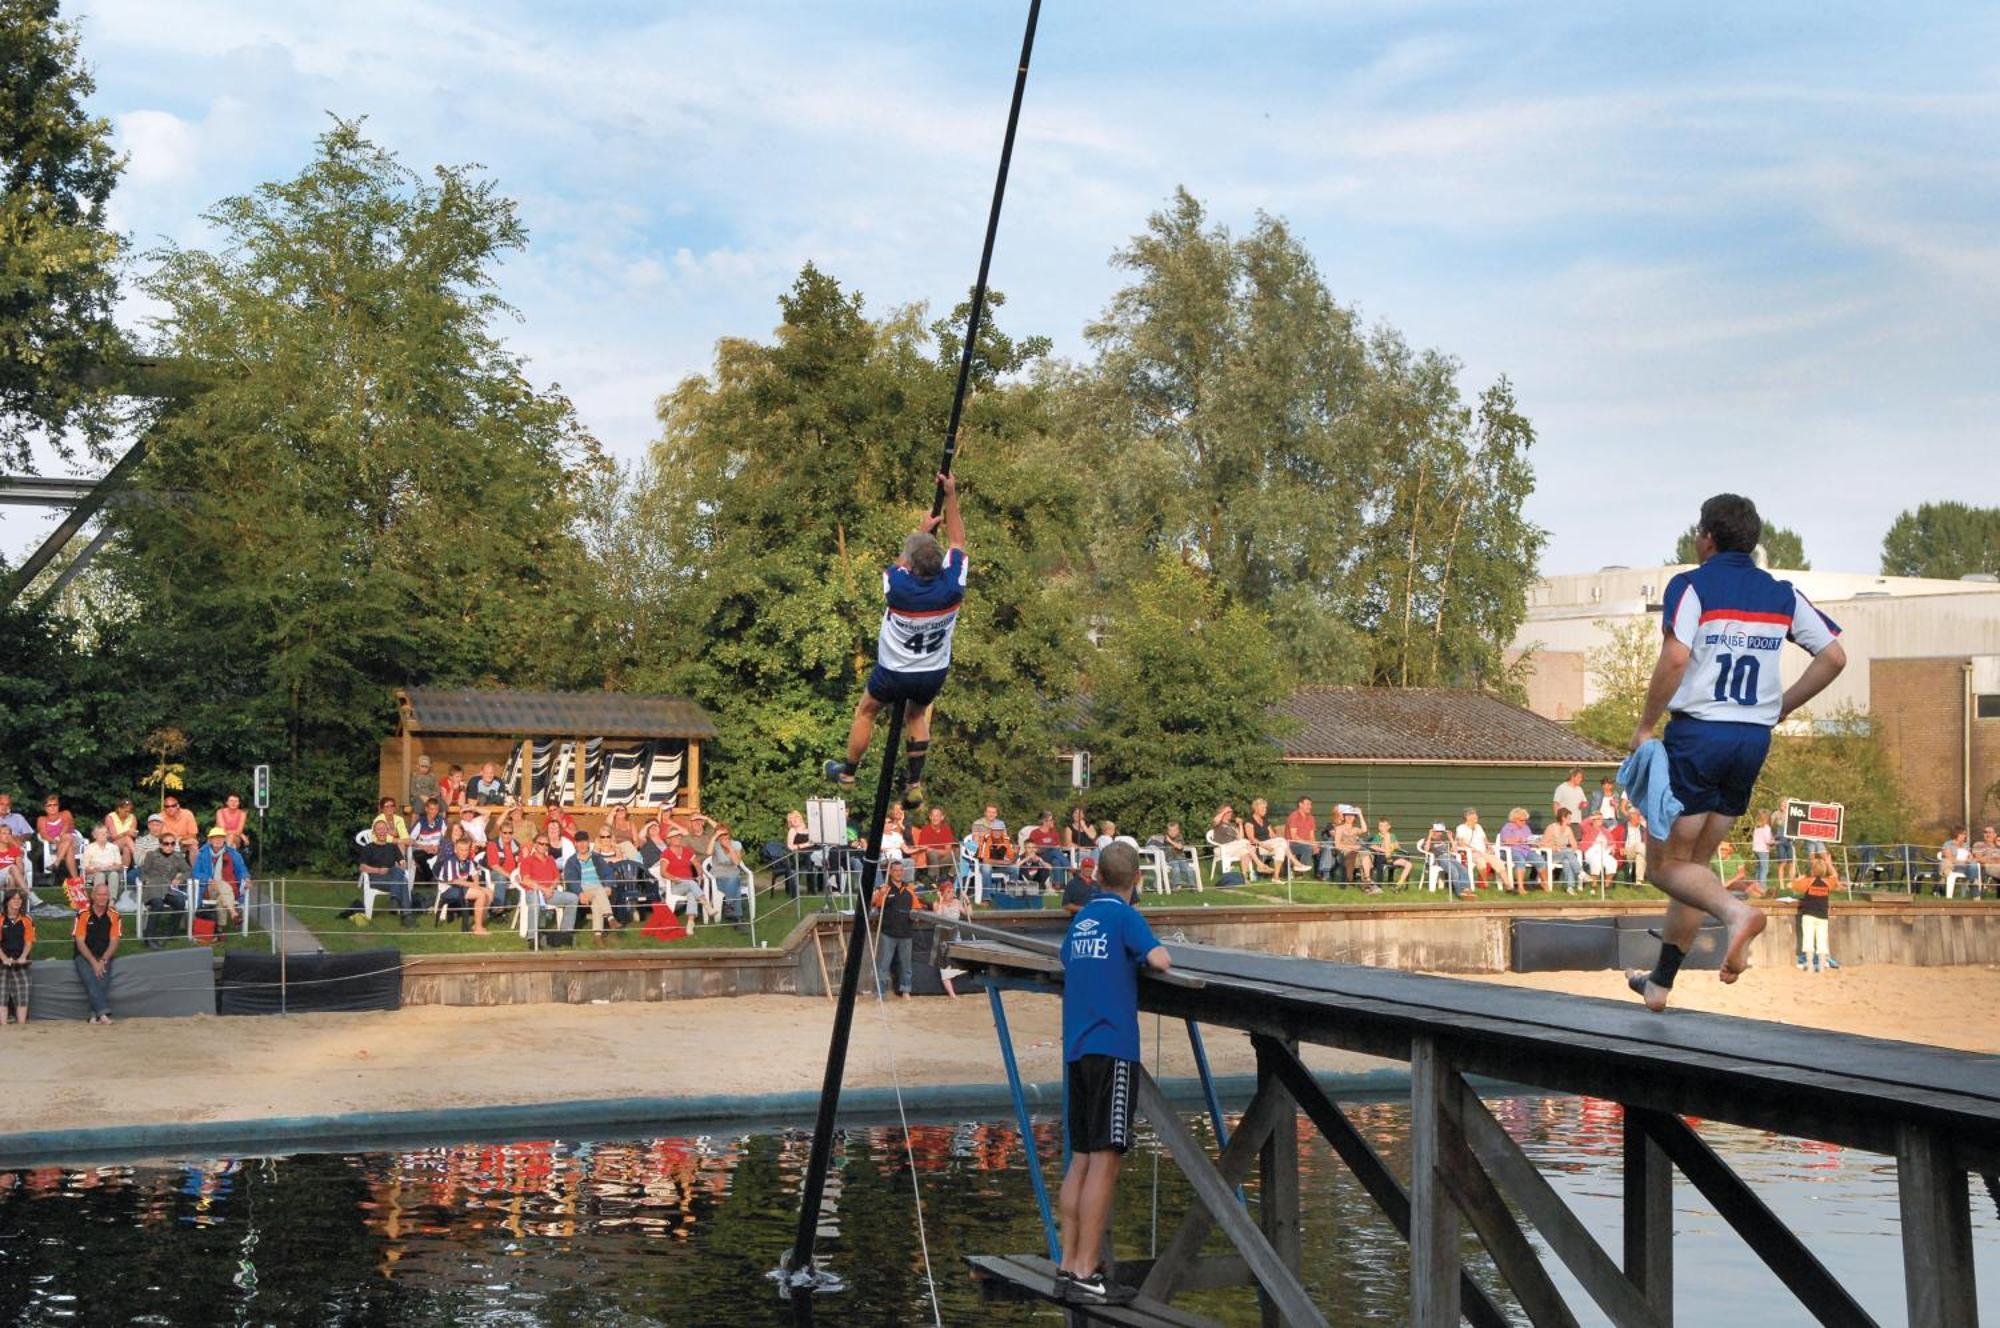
[1106,944]
[1725,624]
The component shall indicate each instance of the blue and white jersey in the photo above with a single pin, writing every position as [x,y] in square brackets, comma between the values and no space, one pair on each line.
[1736,618]
[921,616]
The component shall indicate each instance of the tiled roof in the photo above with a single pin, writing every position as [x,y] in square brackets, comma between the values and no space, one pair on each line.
[554,714]
[1427,724]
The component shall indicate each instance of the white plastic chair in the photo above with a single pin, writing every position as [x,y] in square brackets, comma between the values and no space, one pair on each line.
[1222,856]
[1949,874]
[712,896]
[1153,859]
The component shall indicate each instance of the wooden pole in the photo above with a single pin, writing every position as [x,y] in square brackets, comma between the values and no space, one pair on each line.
[693,784]
[527,772]
[1435,1223]
[1278,1187]
[403,789]
[1649,1222]
[1937,1231]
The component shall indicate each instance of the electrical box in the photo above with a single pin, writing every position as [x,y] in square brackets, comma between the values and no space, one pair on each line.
[826,821]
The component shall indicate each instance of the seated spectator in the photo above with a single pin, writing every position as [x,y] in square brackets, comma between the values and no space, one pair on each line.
[1600,850]
[222,875]
[1302,838]
[1348,858]
[122,823]
[235,821]
[427,842]
[97,930]
[102,862]
[1043,857]
[452,788]
[620,823]
[471,822]
[462,885]
[1108,834]
[382,864]
[542,886]
[424,786]
[1731,868]
[13,862]
[1442,851]
[504,855]
[895,845]
[1225,837]
[15,823]
[1181,871]
[725,867]
[799,851]
[1480,859]
[1271,851]
[679,874]
[163,880]
[1035,868]
[1633,847]
[17,954]
[588,875]
[56,829]
[1610,805]
[1559,849]
[486,789]
[1519,841]
[994,851]
[934,845]
[399,830]
[1986,856]
[1386,851]
[1079,837]
[1956,856]
[178,821]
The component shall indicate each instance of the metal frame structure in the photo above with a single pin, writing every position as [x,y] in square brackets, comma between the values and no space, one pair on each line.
[1936,1111]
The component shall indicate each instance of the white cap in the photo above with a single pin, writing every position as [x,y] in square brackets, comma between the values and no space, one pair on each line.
[1437,825]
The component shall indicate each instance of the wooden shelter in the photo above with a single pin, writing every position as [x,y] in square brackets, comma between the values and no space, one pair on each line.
[583,751]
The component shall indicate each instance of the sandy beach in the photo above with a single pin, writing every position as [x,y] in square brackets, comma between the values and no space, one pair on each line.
[150,1070]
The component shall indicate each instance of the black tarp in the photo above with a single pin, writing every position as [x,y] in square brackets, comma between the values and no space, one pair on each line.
[1547,945]
[143,984]
[362,980]
[1637,949]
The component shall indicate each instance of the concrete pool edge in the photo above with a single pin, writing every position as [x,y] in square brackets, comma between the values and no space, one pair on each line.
[590,1116]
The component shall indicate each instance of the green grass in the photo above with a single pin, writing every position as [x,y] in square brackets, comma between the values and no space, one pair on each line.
[317,906]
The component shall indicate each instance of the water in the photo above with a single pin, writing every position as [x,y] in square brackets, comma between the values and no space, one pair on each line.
[682,1230]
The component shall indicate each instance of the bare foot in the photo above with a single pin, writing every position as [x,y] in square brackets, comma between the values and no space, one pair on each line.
[1747,929]
[1641,983]
[479,931]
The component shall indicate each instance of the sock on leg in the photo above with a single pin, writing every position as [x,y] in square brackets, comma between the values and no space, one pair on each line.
[919,751]
[1665,969]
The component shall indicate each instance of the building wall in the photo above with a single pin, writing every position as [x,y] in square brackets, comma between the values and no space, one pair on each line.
[1919,708]
[1555,682]
[1413,796]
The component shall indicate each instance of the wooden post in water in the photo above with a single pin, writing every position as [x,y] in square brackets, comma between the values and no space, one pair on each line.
[1649,1221]
[1937,1231]
[1278,1185]
[1435,1222]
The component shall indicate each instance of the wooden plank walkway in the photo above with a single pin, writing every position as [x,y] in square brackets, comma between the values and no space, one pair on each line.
[1855,1091]
[1034,1277]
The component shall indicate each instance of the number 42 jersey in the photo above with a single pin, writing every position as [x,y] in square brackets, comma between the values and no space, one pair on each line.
[921,616]
[1736,617]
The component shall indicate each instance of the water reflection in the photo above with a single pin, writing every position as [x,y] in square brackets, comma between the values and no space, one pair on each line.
[681,1230]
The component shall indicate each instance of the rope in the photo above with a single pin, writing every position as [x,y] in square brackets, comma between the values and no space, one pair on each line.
[909,1150]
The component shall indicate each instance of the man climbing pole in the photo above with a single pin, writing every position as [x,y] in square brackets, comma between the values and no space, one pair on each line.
[924,589]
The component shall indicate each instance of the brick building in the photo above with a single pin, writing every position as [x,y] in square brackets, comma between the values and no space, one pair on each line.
[1939,718]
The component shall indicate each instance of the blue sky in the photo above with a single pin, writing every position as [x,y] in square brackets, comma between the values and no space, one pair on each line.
[1715,246]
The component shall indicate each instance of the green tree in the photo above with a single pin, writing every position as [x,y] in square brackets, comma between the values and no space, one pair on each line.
[1943,540]
[1620,670]
[1842,760]
[784,480]
[373,495]
[1181,700]
[1783,547]
[57,258]
[1333,481]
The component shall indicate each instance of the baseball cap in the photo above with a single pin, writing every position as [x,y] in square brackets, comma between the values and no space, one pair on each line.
[156,817]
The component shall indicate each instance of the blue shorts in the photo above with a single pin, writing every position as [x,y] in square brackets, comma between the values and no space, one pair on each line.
[1712,765]
[889,686]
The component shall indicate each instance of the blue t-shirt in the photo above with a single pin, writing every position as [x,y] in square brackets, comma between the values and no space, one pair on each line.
[1107,942]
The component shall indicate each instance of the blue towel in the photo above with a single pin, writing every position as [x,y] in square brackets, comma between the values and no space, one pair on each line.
[1644,779]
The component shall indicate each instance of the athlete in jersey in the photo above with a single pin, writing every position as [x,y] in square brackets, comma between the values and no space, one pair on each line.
[1725,624]
[922,592]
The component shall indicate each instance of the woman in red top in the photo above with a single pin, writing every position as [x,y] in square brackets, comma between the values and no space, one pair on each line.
[233,818]
[57,829]
[13,862]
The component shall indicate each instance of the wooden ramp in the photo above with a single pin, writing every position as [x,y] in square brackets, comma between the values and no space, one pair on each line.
[1032,1277]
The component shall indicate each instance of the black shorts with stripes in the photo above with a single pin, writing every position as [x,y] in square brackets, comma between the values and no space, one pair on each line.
[1101,1089]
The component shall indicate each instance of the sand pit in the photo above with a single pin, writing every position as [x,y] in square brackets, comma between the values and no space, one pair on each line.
[69,1075]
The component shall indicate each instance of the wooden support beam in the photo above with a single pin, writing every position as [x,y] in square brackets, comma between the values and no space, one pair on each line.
[1565,1234]
[1937,1231]
[1164,1279]
[1278,1178]
[1649,1221]
[1773,1240]
[1435,1222]
[1520,1266]
[1369,1168]
[1219,1197]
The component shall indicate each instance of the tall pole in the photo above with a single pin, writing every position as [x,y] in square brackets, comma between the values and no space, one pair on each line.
[800,1274]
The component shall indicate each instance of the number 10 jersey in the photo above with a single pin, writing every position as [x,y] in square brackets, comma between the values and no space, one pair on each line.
[921,616]
[1736,617]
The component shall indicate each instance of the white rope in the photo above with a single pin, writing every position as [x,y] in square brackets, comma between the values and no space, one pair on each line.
[896,1082]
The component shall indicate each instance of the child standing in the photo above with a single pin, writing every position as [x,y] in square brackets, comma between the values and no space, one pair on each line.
[1815,894]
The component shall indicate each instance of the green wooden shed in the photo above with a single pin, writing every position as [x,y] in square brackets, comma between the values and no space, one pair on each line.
[1423,754]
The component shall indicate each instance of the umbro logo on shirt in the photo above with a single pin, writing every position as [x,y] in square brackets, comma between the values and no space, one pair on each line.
[1085,926]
